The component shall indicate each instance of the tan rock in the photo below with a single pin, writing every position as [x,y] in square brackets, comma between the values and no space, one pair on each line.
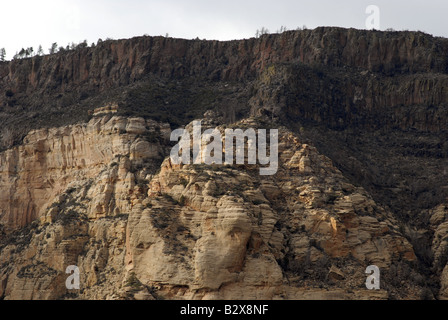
[189,231]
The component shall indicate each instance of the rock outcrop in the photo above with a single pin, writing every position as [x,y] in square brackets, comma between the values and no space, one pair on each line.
[340,76]
[52,162]
[118,63]
[85,177]
[191,231]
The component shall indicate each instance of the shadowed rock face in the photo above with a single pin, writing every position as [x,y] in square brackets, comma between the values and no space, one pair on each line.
[362,177]
[118,63]
[333,76]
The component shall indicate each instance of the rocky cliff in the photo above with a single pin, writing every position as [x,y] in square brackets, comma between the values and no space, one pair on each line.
[352,75]
[86,179]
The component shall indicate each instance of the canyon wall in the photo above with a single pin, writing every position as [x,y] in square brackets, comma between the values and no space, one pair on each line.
[188,231]
[363,165]
[118,63]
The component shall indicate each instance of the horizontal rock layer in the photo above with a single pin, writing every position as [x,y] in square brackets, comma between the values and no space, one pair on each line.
[189,231]
[100,192]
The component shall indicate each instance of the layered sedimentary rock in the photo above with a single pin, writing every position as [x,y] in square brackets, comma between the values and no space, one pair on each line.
[196,231]
[340,77]
[52,160]
[361,177]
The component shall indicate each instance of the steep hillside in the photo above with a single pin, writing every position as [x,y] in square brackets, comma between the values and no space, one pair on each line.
[86,179]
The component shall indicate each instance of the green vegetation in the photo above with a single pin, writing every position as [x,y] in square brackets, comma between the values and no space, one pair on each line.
[182,201]
[183,182]
[38,269]
[68,217]
[161,219]
[134,283]
[20,238]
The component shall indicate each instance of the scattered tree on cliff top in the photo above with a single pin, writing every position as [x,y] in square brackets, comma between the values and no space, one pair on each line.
[24,53]
[40,51]
[261,32]
[2,54]
[29,52]
[83,45]
[54,48]
[282,29]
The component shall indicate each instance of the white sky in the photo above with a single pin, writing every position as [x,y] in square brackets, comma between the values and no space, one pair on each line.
[28,23]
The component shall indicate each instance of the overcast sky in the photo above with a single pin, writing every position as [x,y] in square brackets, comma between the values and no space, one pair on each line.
[28,23]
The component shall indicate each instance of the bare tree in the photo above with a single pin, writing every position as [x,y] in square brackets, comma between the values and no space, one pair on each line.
[54,48]
[264,31]
[261,32]
[282,29]
[40,51]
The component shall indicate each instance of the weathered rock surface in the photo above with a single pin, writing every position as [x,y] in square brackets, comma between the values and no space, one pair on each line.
[361,181]
[196,231]
[118,63]
[51,161]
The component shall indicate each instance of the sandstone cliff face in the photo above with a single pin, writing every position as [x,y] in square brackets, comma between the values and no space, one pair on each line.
[51,161]
[192,231]
[230,234]
[361,181]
